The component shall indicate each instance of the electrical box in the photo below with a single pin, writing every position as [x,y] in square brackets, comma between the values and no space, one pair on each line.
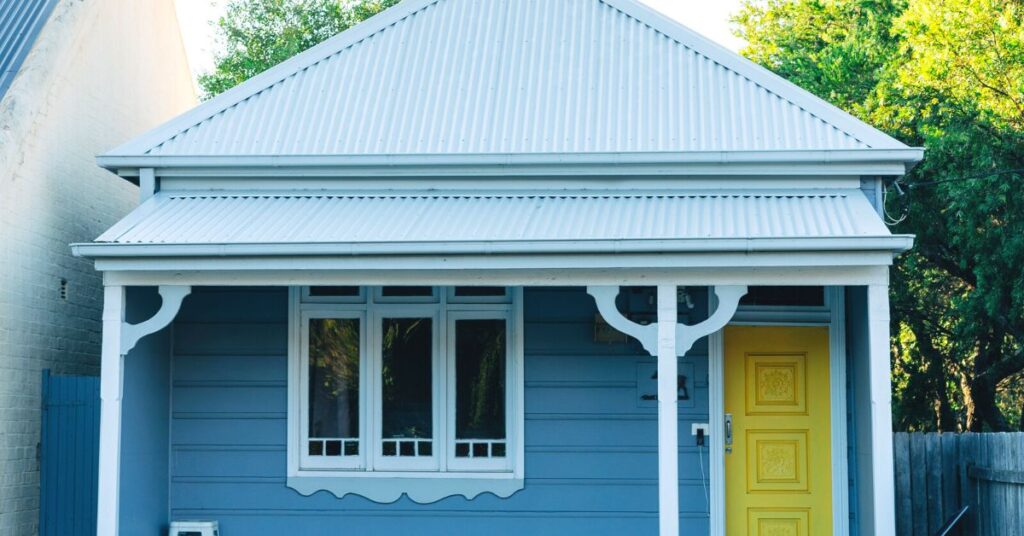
[194,528]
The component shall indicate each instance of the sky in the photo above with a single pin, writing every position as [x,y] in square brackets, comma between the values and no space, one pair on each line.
[708,17]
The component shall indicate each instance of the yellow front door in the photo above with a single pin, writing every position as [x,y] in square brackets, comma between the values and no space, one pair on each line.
[778,473]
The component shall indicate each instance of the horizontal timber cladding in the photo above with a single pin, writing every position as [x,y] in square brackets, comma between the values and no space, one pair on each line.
[591,441]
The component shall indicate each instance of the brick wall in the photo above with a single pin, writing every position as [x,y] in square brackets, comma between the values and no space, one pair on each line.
[100,73]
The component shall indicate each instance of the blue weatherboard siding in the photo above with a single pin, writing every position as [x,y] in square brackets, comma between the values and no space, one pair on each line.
[591,449]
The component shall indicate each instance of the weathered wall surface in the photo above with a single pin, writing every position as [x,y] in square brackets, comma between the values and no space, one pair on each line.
[100,72]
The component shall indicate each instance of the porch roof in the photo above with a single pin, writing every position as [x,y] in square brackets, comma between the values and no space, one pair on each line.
[191,225]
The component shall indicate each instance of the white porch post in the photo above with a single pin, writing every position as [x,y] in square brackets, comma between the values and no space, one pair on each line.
[668,424]
[668,340]
[111,387]
[880,393]
[119,338]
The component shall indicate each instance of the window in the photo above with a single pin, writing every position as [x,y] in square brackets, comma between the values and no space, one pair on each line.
[784,297]
[411,382]
[333,361]
[792,304]
[478,390]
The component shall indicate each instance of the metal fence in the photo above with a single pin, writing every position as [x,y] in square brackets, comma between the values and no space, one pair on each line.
[69,451]
[938,474]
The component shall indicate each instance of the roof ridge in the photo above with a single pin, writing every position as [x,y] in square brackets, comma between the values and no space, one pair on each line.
[834,123]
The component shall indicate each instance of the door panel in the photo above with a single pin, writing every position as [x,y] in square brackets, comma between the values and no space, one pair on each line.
[779,470]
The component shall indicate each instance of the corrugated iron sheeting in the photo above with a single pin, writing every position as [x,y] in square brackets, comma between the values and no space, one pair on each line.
[510,76]
[268,219]
[20,23]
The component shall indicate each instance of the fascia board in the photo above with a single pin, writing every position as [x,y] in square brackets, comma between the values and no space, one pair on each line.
[865,273]
[892,243]
[493,267]
[896,161]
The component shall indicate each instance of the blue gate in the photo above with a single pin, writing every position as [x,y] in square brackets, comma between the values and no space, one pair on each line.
[69,453]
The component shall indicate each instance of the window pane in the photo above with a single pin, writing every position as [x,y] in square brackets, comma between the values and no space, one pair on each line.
[333,380]
[480,379]
[397,292]
[334,291]
[407,374]
[785,296]
[480,291]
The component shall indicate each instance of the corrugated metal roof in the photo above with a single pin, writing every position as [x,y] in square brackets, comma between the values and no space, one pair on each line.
[20,23]
[201,219]
[511,77]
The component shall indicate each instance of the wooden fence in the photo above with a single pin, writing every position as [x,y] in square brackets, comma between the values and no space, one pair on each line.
[69,450]
[938,474]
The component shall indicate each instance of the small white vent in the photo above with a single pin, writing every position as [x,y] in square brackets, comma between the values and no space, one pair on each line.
[194,528]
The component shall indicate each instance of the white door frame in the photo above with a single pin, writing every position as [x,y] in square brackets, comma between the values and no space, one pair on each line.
[835,319]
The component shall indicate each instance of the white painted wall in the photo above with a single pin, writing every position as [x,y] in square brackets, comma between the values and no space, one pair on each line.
[101,72]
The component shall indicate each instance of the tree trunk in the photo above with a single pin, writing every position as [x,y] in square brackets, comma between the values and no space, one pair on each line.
[946,418]
[985,410]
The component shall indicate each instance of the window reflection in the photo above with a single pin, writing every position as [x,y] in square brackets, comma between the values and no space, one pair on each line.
[480,388]
[333,386]
[406,378]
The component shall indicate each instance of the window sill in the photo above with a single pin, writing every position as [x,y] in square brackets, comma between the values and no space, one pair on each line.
[428,488]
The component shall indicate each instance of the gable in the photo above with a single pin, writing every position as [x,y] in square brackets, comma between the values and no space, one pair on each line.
[469,77]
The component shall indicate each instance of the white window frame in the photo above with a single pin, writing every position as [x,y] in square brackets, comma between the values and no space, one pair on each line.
[379,298]
[308,297]
[380,462]
[332,462]
[452,298]
[791,314]
[385,480]
[472,463]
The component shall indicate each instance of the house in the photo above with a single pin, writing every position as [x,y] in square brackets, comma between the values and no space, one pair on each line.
[76,78]
[502,267]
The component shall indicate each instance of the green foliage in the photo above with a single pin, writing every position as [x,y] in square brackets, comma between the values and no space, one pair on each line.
[971,51]
[949,75]
[255,35]
[820,46]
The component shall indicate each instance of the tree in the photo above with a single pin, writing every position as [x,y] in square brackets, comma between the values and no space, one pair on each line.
[255,35]
[949,75]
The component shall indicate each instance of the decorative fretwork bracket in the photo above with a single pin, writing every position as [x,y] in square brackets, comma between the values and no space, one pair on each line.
[171,296]
[728,300]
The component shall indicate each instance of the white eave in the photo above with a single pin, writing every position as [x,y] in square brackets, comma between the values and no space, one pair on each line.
[763,163]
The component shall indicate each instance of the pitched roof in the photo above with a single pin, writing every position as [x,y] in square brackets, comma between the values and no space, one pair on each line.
[226,224]
[20,23]
[509,77]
